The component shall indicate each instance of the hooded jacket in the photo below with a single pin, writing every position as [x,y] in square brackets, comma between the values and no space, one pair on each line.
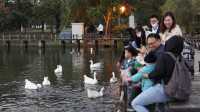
[165,63]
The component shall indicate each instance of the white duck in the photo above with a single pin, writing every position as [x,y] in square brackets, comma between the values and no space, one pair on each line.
[58,69]
[39,85]
[113,79]
[46,81]
[95,65]
[95,94]
[88,80]
[30,85]
[59,74]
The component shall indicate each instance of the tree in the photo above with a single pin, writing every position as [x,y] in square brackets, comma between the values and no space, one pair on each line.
[104,11]
[143,9]
[182,10]
[196,16]
[17,14]
[170,5]
[52,12]
[195,5]
[184,14]
[78,10]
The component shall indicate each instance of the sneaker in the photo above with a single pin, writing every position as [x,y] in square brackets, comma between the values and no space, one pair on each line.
[130,109]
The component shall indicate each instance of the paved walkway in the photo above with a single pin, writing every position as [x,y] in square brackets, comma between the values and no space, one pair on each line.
[193,105]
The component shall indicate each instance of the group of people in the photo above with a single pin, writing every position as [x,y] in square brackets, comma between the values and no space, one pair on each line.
[92,29]
[144,64]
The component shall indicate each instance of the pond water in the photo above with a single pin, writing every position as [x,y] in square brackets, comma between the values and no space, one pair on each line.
[67,93]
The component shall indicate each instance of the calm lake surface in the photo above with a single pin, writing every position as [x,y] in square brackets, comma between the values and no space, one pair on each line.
[66,93]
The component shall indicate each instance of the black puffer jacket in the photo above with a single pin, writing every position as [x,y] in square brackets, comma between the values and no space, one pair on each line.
[165,63]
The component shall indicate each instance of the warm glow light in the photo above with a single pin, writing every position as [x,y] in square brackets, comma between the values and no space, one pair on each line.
[122,9]
[114,9]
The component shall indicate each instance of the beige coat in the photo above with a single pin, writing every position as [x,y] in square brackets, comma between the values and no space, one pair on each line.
[167,35]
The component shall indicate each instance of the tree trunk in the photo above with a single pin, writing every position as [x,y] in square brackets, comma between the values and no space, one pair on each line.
[108,19]
[57,18]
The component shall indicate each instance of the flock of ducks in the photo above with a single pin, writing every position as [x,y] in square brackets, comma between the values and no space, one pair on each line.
[93,81]
[31,85]
[87,80]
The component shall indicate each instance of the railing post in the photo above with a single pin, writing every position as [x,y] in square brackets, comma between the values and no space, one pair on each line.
[41,44]
[8,43]
[3,36]
[51,36]
[199,66]
[9,37]
[79,44]
[55,37]
[25,42]
[96,44]
[63,43]
[115,43]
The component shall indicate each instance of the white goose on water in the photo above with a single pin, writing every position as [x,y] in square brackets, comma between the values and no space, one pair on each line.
[95,65]
[46,82]
[113,79]
[31,85]
[58,69]
[39,85]
[95,94]
[88,80]
[58,74]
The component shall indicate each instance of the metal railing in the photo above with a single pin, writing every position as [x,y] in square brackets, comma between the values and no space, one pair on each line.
[53,36]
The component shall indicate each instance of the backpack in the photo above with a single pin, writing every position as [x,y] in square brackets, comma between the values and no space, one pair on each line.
[179,86]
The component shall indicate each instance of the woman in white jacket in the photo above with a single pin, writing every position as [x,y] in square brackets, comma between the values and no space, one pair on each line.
[169,28]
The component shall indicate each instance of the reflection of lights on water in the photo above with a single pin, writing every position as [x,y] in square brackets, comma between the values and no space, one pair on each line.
[77,60]
[11,1]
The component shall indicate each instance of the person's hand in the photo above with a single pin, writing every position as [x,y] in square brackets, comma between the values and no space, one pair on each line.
[138,68]
[118,65]
[143,50]
[146,76]
[125,78]
[128,79]
[129,68]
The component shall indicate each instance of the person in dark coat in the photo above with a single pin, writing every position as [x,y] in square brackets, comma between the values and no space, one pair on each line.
[161,76]
[154,24]
[154,44]
[141,36]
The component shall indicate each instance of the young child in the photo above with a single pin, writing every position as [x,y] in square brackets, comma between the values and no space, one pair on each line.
[150,60]
[130,67]
[130,62]
[141,55]
[140,83]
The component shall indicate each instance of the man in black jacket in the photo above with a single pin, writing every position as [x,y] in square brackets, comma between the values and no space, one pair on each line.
[154,44]
[161,75]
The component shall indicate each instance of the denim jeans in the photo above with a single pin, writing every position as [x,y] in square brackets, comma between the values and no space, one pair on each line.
[152,95]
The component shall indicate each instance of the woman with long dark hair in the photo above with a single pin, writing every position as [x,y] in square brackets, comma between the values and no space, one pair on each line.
[141,37]
[168,27]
